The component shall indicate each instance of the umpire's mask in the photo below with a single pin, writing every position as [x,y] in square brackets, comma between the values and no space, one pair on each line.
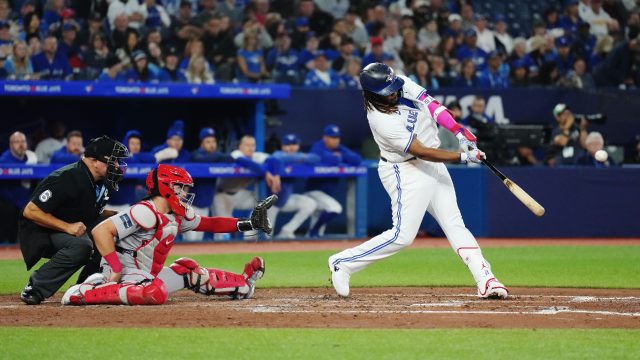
[112,153]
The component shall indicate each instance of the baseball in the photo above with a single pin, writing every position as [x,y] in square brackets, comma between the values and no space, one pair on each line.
[601,155]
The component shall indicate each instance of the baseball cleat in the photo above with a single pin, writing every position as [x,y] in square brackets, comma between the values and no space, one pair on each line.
[493,289]
[339,279]
[74,295]
[253,271]
[30,296]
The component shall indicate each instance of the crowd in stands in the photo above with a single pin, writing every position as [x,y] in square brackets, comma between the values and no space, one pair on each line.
[324,43]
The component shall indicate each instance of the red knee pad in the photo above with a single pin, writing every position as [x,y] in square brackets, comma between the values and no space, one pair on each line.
[154,293]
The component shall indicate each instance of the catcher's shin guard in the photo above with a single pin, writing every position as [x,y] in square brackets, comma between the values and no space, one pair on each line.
[148,293]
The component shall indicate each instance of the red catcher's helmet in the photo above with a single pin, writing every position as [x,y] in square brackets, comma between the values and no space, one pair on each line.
[172,183]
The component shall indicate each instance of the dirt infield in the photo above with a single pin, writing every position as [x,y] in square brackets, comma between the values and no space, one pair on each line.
[367,308]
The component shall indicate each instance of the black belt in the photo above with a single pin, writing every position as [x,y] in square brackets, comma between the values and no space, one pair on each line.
[127,251]
[409,159]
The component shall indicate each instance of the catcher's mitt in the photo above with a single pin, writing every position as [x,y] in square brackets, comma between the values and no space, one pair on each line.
[259,219]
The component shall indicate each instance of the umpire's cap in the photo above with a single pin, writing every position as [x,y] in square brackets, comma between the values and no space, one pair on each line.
[103,147]
[380,79]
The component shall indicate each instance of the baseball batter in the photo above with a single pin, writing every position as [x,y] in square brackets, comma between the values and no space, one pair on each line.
[403,121]
[133,270]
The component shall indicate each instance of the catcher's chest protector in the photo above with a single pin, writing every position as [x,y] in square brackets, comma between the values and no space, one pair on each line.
[152,254]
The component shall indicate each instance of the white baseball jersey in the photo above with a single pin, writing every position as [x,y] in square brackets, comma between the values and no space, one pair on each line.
[394,132]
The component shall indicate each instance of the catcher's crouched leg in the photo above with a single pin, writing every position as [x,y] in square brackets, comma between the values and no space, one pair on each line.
[148,292]
[209,281]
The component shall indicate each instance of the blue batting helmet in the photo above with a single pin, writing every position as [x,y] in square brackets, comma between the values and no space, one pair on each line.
[380,79]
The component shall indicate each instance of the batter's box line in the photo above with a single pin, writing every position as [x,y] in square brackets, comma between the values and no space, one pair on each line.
[549,311]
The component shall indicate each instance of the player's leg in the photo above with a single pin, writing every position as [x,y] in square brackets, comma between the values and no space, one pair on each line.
[444,208]
[139,288]
[272,215]
[327,209]
[186,273]
[410,189]
[196,235]
[303,206]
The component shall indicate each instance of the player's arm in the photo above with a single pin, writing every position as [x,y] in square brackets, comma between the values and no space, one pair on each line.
[34,213]
[108,213]
[217,224]
[103,236]
[438,155]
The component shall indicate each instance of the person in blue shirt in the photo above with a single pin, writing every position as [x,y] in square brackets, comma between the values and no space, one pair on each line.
[563,57]
[142,71]
[351,77]
[251,65]
[283,61]
[331,153]
[14,194]
[469,50]
[571,21]
[50,64]
[467,77]
[131,190]
[172,151]
[377,53]
[206,189]
[71,152]
[302,205]
[492,77]
[113,71]
[323,76]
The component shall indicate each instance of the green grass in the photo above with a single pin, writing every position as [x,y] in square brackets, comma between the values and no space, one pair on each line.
[562,266]
[97,343]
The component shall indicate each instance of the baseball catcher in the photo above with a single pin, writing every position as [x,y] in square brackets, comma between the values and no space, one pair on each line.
[133,266]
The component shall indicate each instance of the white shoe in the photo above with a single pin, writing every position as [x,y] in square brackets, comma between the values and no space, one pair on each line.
[339,279]
[74,295]
[493,289]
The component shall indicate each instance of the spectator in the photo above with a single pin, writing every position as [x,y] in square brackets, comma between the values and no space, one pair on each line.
[97,55]
[14,194]
[157,16]
[184,26]
[71,152]
[50,64]
[616,69]
[307,55]
[197,72]
[141,71]
[377,53]
[549,74]
[593,143]
[467,78]
[207,11]
[131,190]
[393,38]
[477,120]
[322,76]
[467,14]
[155,55]
[486,37]
[68,46]
[170,71]
[355,29]
[302,205]
[603,47]
[53,143]
[18,65]
[492,77]
[133,42]
[132,9]
[94,26]
[579,78]
[601,23]
[422,76]
[470,50]
[375,23]
[172,151]
[519,76]
[439,72]
[319,21]
[571,20]
[251,66]
[567,138]
[428,37]
[351,77]
[219,47]
[447,49]
[35,46]
[206,189]
[113,71]
[331,153]
[552,22]
[232,193]
[231,10]
[119,33]
[454,30]
[283,61]
[563,58]
[300,34]
[264,40]
[503,39]
[336,8]
[410,52]
[32,26]
[585,42]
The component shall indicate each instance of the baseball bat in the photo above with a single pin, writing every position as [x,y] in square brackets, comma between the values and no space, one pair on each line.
[517,191]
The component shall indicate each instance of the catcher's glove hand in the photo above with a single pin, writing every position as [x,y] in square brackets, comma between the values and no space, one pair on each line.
[258,219]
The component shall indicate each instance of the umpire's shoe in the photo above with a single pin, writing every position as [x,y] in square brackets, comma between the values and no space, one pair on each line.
[339,279]
[30,296]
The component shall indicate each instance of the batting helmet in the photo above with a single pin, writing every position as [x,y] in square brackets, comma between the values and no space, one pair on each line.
[379,79]
[172,183]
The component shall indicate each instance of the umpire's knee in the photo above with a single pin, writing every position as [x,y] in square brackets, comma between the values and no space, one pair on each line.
[81,249]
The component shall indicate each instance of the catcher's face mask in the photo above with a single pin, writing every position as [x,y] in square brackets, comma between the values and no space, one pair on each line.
[116,166]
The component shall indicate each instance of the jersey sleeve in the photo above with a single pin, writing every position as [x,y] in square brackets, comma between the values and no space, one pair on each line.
[188,225]
[124,223]
[52,193]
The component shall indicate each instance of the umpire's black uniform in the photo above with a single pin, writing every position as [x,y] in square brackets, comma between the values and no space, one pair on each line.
[70,194]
